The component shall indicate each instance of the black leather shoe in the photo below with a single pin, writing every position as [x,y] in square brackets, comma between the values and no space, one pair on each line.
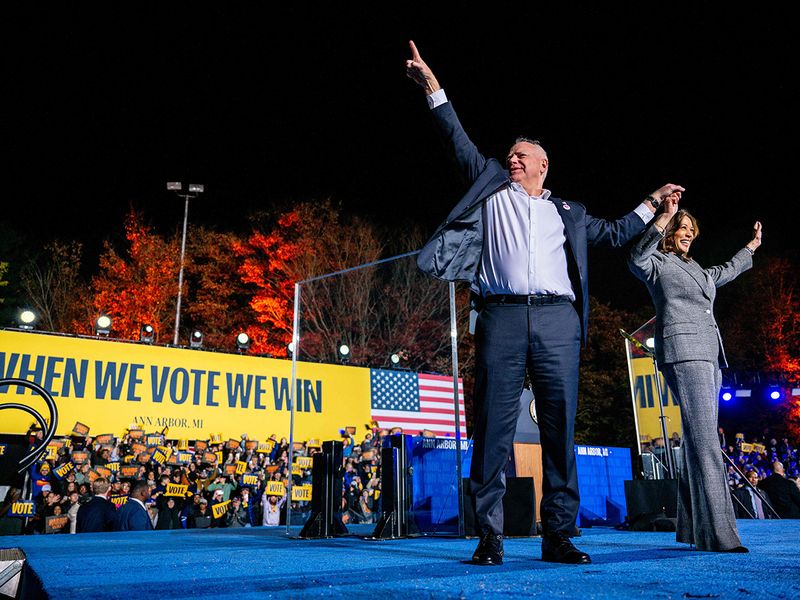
[489,550]
[557,548]
[737,550]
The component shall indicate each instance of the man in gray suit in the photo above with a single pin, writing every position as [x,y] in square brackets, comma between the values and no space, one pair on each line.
[689,348]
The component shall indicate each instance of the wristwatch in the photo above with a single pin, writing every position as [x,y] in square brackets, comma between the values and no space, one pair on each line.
[653,201]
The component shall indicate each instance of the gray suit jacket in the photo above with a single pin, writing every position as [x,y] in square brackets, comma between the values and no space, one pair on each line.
[683,294]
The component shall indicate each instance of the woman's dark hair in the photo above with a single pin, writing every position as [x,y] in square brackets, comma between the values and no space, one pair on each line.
[668,243]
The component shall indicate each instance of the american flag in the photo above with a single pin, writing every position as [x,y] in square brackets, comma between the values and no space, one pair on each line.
[415,401]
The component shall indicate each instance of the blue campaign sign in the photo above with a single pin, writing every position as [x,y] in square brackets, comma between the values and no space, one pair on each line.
[435,501]
[602,472]
[22,508]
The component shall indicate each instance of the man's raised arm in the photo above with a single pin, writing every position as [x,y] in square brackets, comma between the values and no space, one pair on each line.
[469,160]
[420,72]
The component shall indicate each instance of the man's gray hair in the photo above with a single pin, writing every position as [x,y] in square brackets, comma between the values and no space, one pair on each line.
[523,138]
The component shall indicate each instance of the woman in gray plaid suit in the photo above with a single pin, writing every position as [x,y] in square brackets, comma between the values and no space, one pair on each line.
[689,348]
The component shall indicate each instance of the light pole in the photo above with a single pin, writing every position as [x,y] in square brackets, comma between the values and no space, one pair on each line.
[195,189]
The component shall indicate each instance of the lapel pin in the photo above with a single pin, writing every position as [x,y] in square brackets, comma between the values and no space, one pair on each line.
[565,205]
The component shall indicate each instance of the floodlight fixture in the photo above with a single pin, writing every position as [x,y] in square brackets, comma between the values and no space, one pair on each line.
[395,359]
[650,343]
[344,353]
[27,319]
[102,326]
[175,186]
[196,339]
[196,188]
[242,342]
[147,335]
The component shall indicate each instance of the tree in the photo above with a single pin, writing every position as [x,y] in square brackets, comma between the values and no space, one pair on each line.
[3,282]
[760,323]
[375,310]
[139,286]
[54,286]
[605,413]
[219,303]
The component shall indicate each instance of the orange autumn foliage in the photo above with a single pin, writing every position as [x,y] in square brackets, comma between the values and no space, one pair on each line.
[138,286]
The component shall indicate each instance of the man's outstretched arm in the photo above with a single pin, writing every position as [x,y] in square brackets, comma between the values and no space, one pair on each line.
[469,160]
[418,70]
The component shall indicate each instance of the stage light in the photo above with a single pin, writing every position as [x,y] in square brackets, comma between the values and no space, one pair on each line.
[242,342]
[290,349]
[175,186]
[726,395]
[344,353]
[196,340]
[197,188]
[650,342]
[775,394]
[395,358]
[147,334]
[27,319]
[103,325]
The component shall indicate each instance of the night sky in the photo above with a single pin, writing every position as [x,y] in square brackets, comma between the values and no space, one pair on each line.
[104,106]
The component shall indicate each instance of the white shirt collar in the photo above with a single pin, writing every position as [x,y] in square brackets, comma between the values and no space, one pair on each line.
[518,188]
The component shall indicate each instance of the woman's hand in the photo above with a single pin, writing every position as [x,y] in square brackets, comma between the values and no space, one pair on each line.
[670,207]
[756,241]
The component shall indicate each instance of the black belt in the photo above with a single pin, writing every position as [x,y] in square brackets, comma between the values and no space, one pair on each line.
[531,300]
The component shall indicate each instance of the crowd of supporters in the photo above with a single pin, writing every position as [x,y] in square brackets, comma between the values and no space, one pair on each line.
[236,483]
[769,463]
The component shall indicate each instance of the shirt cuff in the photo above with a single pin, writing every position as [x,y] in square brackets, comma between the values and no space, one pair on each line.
[644,213]
[437,98]
[752,252]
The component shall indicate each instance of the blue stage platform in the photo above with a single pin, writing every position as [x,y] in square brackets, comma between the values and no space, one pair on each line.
[264,563]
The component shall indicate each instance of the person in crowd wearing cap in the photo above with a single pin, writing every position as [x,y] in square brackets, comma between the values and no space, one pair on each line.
[200,516]
[134,514]
[237,514]
[98,514]
[217,497]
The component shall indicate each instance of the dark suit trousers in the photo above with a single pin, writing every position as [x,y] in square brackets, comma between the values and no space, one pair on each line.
[545,340]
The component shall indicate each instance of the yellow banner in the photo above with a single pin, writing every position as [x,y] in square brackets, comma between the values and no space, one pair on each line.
[297,470]
[176,489]
[301,493]
[241,467]
[645,401]
[220,509]
[275,488]
[109,385]
[744,447]
[304,462]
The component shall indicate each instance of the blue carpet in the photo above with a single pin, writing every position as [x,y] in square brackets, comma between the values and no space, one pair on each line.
[261,563]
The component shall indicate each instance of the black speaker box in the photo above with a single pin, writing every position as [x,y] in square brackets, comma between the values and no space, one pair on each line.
[518,509]
[652,504]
